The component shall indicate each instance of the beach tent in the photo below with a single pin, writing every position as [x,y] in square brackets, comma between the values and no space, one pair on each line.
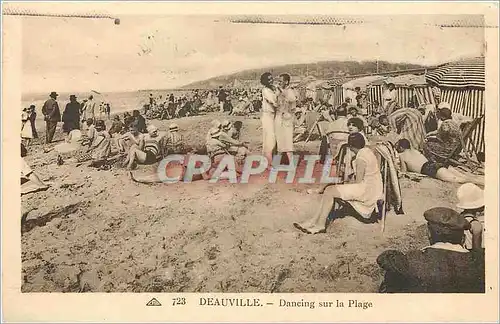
[314,90]
[363,83]
[408,87]
[462,85]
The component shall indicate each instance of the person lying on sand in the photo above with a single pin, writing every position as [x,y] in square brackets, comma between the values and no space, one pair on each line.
[149,151]
[30,182]
[414,161]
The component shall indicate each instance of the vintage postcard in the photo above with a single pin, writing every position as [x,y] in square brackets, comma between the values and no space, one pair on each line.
[250,162]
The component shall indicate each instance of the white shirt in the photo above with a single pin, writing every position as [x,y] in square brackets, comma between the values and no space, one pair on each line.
[388,96]
[269,100]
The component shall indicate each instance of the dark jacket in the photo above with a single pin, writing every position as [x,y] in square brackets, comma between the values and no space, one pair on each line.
[51,110]
[71,116]
[432,270]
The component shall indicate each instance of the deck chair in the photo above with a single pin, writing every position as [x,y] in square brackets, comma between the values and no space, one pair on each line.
[466,131]
[312,120]
[383,205]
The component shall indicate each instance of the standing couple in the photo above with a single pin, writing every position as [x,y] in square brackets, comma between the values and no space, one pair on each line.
[278,107]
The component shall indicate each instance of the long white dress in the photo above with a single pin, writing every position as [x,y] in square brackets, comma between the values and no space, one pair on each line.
[269,100]
[283,123]
[363,196]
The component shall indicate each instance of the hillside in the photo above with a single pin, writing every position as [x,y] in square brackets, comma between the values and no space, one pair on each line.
[319,70]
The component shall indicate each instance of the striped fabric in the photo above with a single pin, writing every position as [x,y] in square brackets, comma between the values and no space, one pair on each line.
[410,125]
[337,96]
[470,103]
[465,73]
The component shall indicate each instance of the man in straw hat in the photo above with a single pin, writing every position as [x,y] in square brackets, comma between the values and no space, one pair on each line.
[174,141]
[471,200]
[52,115]
[443,267]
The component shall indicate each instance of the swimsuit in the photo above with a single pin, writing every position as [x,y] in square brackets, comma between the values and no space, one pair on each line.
[429,169]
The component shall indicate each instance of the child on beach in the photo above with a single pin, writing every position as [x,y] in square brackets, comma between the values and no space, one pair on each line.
[471,200]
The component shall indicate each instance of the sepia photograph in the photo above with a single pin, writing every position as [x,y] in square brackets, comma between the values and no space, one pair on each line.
[327,163]
[391,107]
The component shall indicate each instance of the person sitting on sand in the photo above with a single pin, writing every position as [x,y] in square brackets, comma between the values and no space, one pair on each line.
[414,161]
[235,147]
[443,267]
[216,150]
[215,124]
[91,131]
[141,121]
[353,113]
[101,145]
[117,126]
[362,194]
[174,142]
[471,201]
[149,151]
[30,182]
[228,128]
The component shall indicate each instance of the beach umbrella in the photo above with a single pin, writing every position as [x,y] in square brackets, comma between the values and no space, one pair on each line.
[460,74]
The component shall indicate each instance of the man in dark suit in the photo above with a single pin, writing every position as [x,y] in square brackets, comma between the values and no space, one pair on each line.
[443,267]
[52,115]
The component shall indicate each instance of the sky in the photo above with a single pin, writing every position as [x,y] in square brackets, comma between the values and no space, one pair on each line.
[158,52]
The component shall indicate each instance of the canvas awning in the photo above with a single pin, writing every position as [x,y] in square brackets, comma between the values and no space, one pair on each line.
[460,74]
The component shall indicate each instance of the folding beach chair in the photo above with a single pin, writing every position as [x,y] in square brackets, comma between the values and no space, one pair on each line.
[466,131]
[383,205]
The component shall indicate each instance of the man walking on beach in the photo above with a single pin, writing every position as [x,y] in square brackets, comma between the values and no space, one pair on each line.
[52,115]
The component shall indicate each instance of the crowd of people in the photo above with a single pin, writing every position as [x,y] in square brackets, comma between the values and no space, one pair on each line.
[236,102]
[424,139]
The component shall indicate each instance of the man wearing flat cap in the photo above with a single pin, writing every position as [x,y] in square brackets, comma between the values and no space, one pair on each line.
[52,116]
[443,267]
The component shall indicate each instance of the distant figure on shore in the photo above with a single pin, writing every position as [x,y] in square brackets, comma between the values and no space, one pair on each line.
[52,115]
[71,115]
[222,95]
[26,131]
[108,111]
[32,118]
[89,109]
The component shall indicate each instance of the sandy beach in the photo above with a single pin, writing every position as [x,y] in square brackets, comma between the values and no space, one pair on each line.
[98,231]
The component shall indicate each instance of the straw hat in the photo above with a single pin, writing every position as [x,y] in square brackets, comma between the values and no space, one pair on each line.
[214,132]
[470,196]
[173,127]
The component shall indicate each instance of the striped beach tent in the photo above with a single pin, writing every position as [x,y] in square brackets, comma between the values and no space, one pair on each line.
[460,74]
[470,103]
